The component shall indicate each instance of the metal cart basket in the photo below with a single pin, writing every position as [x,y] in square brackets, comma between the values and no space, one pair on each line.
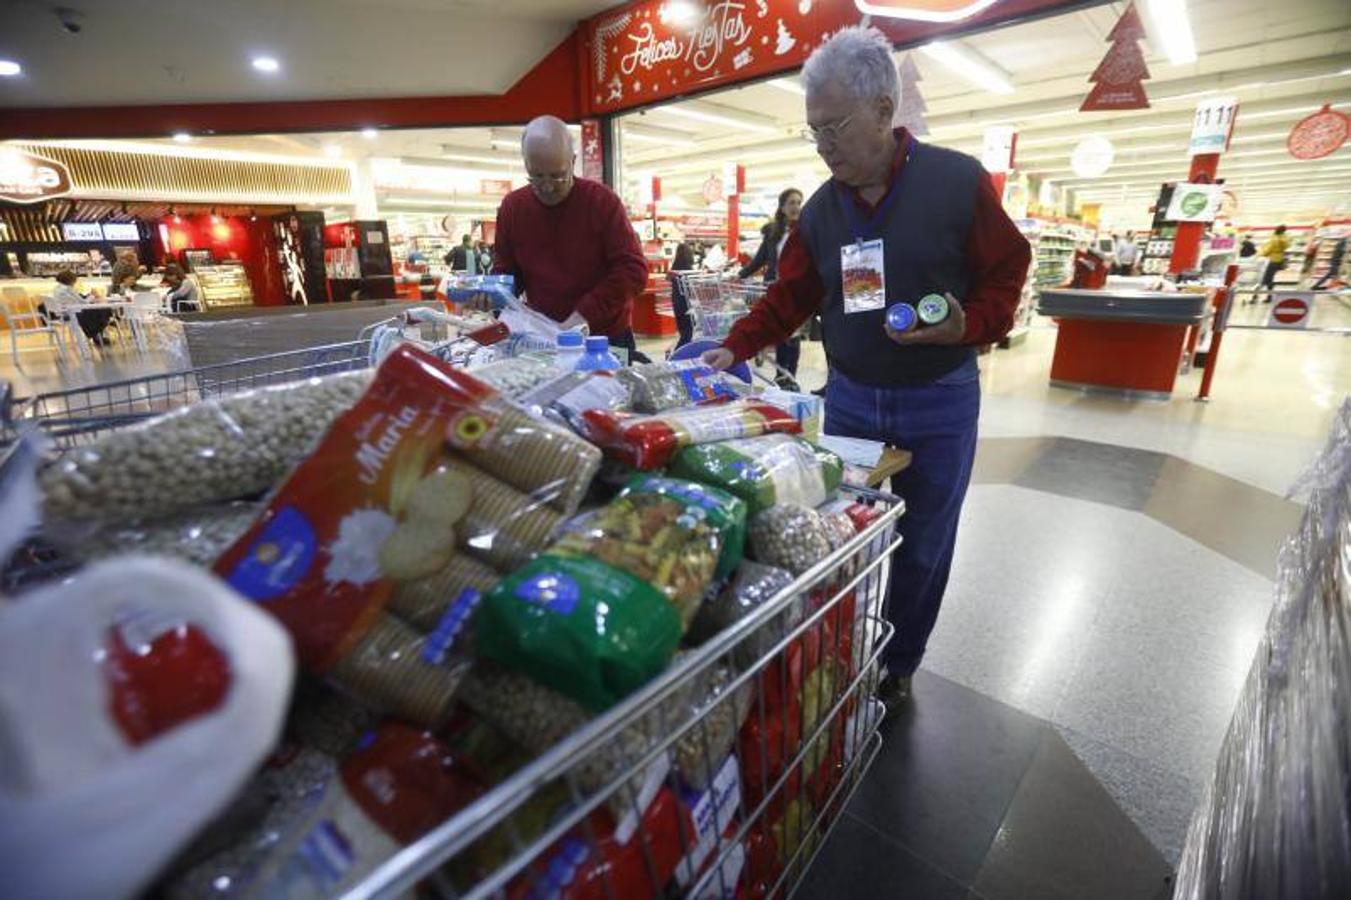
[806,663]
[716,303]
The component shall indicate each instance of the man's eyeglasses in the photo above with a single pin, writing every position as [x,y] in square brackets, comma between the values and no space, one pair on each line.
[549,179]
[827,134]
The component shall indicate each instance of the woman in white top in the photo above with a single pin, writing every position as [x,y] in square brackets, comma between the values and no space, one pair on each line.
[182,291]
[92,321]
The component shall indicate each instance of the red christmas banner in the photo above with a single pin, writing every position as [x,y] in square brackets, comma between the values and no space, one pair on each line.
[1117,79]
[1319,135]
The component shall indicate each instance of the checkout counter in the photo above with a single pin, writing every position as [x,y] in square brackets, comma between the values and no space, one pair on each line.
[1122,340]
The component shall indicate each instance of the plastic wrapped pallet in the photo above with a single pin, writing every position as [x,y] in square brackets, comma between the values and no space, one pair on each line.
[1274,820]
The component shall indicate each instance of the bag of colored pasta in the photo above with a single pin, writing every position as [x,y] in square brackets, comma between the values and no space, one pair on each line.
[590,631]
[675,535]
[764,471]
[650,442]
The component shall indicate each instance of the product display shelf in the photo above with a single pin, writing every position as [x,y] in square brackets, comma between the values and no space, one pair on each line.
[224,286]
[1328,238]
[1158,250]
[44,264]
[1027,301]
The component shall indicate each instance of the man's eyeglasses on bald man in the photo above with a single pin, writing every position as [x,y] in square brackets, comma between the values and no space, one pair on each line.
[555,178]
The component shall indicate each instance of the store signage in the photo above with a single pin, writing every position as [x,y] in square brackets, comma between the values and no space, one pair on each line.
[1319,135]
[1213,125]
[1092,156]
[121,231]
[1117,81]
[81,231]
[1194,203]
[593,151]
[924,10]
[997,154]
[494,187]
[29,178]
[653,50]
[1290,310]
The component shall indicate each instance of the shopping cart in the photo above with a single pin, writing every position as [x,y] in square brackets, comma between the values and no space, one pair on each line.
[717,302]
[795,767]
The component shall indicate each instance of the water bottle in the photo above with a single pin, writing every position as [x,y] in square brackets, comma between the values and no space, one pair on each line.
[597,357]
[569,345]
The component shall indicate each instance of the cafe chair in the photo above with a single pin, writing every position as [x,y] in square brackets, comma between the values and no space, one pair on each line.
[22,318]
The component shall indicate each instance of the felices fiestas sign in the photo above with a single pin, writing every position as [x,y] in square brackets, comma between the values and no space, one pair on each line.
[651,50]
[29,178]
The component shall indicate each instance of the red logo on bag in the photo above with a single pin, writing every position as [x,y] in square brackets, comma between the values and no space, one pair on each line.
[924,10]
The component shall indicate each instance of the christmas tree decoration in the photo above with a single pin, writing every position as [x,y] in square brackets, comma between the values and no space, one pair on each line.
[1117,79]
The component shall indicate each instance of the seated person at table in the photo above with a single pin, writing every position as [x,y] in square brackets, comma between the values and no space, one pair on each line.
[182,291]
[92,321]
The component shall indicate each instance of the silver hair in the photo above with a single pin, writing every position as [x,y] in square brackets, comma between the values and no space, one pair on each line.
[858,58]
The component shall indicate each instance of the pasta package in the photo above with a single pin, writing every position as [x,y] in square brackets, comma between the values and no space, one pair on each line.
[659,386]
[675,535]
[590,631]
[764,471]
[650,442]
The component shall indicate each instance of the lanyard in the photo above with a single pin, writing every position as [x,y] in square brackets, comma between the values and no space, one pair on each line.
[868,229]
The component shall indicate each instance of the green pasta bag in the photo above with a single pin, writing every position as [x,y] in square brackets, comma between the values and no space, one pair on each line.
[579,626]
[764,471]
[720,510]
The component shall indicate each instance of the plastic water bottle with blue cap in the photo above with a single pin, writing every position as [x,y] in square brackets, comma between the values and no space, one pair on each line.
[598,357]
[570,346]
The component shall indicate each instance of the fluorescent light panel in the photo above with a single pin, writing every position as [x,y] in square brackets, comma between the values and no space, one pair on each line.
[1173,30]
[974,70]
[700,115]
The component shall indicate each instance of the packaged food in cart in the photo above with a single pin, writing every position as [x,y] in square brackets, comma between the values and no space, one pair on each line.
[423,601]
[765,470]
[659,386]
[213,451]
[789,536]
[462,289]
[330,824]
[650,442]
[593,864]
[712,811]
[676,535]
[753,585]
[197,535]
[718,711]
[586,629]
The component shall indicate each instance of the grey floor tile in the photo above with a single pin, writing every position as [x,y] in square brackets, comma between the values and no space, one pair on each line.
[1002,460]
[1064,837]
[947,771]
[1158,800]
[859,861]
[1104,473]
[1245,523]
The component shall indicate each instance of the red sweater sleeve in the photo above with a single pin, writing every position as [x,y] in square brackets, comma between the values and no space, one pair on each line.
[998,255]
[504,256]
[625,269]
[790,301]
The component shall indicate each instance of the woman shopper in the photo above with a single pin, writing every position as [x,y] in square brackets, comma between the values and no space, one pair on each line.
[1274,250]
[92,321]
[680,304]
[773,236]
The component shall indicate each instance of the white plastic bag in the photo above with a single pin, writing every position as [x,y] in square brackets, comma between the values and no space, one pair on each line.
[83,811]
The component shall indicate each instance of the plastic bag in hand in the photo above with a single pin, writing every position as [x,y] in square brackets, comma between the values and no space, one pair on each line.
[135,701]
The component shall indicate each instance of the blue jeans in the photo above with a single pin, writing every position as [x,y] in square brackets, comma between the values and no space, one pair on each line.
[937,423]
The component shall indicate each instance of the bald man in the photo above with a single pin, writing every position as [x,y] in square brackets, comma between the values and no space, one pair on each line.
[568,240]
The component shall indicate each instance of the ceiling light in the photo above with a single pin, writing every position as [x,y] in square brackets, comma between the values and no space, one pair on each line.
[1173,30]
[631,135]
[471,158]
[266,64]
[333,151]
[182,137]
[788,85]
[974,70]
[9,68]
[506,142]
[370,134]
[679,13]
[700,115]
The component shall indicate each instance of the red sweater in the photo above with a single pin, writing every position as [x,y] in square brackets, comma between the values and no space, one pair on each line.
[579,256]
[997,252]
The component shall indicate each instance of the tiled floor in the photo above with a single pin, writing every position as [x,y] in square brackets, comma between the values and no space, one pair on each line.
[1113,574]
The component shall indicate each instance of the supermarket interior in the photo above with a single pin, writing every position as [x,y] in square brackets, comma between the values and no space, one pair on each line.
[530,508]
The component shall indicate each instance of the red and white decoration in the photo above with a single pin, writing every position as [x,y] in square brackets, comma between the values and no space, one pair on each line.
[1319,135]
[1117,79]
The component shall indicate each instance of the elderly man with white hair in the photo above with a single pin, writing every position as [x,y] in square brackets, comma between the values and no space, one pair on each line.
[899,220]
[568,240]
